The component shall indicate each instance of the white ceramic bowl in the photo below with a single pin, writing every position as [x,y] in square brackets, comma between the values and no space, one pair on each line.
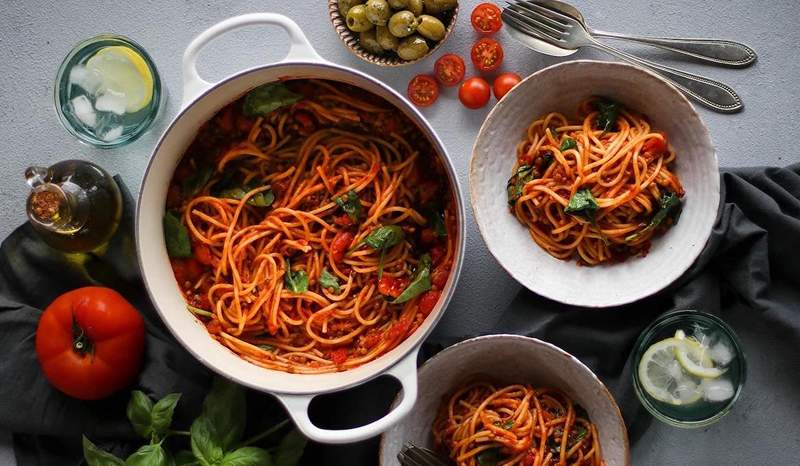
[560,88]
[201,100]
[510,359]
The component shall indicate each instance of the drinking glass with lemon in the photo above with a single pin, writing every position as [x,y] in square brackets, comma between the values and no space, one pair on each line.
[689,368]
[108,91]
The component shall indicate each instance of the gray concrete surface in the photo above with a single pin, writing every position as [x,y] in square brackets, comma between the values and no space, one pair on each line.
[36,34]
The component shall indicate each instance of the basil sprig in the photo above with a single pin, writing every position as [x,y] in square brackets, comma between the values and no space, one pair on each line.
[607,118]
[525,174]
[670,207]
[420,281]
[329,280]
[567,144]
[295,281]
[260,199]
[383,238]
[268,98]
[193,183]
[583,204]
[176,236]
[350,204]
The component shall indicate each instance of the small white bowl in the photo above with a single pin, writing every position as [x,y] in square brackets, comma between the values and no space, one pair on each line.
[560,88]
[510,359]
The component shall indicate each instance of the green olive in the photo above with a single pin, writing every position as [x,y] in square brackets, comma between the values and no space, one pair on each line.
[431,28]
[403,23]
[357,19]
[345,5]
[412,47]
[398,4]
[434,7]
[385,38]
[415,6]
[378,12]
[369,42]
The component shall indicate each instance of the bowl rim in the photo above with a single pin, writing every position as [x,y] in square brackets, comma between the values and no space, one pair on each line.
[339,26]
[387,360]
[525,340]
[573,300]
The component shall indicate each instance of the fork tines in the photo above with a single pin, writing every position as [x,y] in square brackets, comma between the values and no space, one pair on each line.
[537,20]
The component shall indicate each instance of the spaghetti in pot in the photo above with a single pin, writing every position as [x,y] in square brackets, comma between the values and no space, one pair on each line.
[515,425]
[322,232]
[597,190]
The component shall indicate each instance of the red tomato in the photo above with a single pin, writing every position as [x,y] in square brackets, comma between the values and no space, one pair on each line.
[437,252]
[340,244]
[423,90]
[89,342]
[428,301]
[399,329]
[440,275]
[474,93]
[504,82]
[427,236]
[343,220]
[486,18]
[656,145]
[186,270]
[392,286]
[202,253]
[339,356]
[371,339]
[487,54]
[449,69]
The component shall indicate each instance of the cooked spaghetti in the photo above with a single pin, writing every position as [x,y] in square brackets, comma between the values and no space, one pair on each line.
[515,425]
[310,226]
[597,190]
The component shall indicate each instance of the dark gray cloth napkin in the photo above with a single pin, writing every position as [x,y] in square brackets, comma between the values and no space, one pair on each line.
[748,274]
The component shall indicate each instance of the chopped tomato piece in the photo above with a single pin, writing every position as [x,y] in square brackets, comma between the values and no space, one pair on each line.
[487,54]
[338,356]
[392,286]
[427,236]
[486,18]
[203,254]
[428,301]
[214,327]
[340,244]
[440,275]
[656,145]
[399,329]
[423,90]
[371,339]
[186,270]
[436,254]
[343,220]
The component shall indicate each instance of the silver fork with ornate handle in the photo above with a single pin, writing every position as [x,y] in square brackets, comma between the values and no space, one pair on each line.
[566,32]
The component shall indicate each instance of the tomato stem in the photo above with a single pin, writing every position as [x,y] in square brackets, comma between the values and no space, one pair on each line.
[81,343]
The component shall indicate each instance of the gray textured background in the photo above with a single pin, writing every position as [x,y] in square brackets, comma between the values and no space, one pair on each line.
[36,34]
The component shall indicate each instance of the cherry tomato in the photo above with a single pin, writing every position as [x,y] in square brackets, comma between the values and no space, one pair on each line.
[392,286]
[89,342]
[423,90]
[486,18]
[487,54]
[655,145]
[504,82]
[340,244]
[338,356]
[428,301]
[474,93]
[449,69]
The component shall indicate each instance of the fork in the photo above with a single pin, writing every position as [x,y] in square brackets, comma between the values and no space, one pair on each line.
[563,31]
[413,455]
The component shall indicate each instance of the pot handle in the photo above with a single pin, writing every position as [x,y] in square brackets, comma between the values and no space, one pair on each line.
[300,48]
[405,371]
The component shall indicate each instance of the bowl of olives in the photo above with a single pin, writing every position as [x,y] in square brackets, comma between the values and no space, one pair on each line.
[393,32]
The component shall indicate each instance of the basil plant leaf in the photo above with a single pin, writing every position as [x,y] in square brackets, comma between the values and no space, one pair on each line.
[194,183]
[94,456]
[149,455]
[384,237]
[247,456]
[261,199]
[490,457]
[139,411]
[290,449]
[295,281]
[161,415]
[583,204]
[670,207]
[176,236]
[224,406]
[567,144]
[517,182]
[329,280]
[268,98]
[206,442]
[350,204]
[608,113]
[420,281]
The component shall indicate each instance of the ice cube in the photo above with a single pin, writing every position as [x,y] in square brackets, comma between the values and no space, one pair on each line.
[88,80]
[111,101]
[721,354]
[717,389]
[83,110]
[112,134]
[685,390]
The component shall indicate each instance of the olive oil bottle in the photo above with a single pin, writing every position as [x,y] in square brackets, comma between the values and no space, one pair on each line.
[74,206]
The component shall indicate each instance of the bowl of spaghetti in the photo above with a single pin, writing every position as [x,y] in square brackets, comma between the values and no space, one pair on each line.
[594,183]
[547,408]
[300,228]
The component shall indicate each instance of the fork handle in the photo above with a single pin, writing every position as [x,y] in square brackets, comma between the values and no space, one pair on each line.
[713,94]
[718,52]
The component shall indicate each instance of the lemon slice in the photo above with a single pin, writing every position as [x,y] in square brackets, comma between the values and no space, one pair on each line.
[694,358]
[662,376]
[125,76]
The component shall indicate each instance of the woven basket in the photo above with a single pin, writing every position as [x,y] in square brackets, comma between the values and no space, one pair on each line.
[350,39]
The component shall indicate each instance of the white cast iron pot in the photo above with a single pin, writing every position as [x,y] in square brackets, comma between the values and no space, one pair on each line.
[201,100]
